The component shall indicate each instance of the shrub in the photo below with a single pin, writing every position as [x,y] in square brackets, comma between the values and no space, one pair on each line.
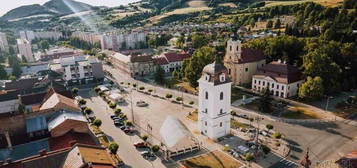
[111,82]
[117,111]
[155,148]
[142,88]
[150,90]
[112,105]
[145,137]
[249,157]
[128,123]
[134,85]
[96,89]
[277,135]
[128,83]
[97,122]
[122,116]
[82,102]
[226,148]
[265,149]
[179,99]
[269,126]
[233,113]
[113,147]
[88,110]
[101,93]
[168,96]
[191,103]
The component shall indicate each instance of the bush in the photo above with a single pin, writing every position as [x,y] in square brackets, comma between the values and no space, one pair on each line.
[145,137]
[101,93]
[233,113]
[179,99]
[168,96]
[150,90]
[113,147]
[129,83]
[96,89]
[112,105]
[82,102]
[134,85]
[97,122]
[128,123]
[155,148]
[249,157]
[191,103]
[277,135]
[142,88]
[88,110]
[117,111]
[122,116]
[75,91]
[265,149]
[269,126]
[226,148]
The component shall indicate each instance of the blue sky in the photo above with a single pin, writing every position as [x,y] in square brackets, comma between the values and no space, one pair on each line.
[11,4]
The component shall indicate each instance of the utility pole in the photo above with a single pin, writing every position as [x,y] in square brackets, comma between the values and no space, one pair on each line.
[258,119]
[131,104]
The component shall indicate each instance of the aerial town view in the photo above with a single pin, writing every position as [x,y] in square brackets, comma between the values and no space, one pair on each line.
[178,84]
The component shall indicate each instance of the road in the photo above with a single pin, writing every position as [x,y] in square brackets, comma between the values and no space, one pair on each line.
[326,140]
[127,152]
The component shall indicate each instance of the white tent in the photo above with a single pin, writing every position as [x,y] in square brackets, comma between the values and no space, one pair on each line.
[173,131]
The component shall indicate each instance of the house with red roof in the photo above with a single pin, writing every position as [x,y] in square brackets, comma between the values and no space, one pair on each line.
[171,61]
[242,63]
[280,78]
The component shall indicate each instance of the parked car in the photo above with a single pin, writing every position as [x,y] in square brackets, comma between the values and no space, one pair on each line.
[264,133]
[122,127]
[113,116]
[243,116]
[147,154]
[118,123]
[141,145]
[128,130]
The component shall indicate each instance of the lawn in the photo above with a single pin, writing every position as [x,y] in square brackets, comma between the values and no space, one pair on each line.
[215,159]
[237,94]
[235,124]
[254,105]
[299,113]
[96,130]
[193,116]
[327,3]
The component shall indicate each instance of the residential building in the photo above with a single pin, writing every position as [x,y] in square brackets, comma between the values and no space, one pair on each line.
[4,45]
[123,41]
[88,37]
[171,61]
[242,63]
[78,69]
[214,101]
[31,35]
[25,50]
[132,64]
[281,79]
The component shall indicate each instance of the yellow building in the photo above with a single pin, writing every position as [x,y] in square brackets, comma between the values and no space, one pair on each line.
[242,63]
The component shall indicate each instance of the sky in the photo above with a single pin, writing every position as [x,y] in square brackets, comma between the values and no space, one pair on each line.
[12,4]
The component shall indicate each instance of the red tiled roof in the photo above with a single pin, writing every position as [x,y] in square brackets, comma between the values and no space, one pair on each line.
[161,61]
[69,139]
[251,55]
[175,57]
[282,73]
[101,166]
[349,160]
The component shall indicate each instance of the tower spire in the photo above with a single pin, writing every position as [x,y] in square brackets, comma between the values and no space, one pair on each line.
[305,161]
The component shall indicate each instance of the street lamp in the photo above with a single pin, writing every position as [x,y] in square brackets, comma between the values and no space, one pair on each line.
[327,103]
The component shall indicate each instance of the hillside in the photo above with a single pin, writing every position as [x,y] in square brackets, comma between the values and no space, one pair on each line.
[53,7]
[65,7]
[25,11]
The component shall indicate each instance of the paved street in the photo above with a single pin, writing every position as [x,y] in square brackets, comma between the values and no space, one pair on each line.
[326,140]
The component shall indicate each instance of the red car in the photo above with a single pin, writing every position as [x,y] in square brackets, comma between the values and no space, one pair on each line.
[141,145]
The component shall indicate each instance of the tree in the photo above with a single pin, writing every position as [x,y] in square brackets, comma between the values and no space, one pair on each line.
[44,45]
[97,122]
[145,137]
[312,89]
[88,110]
[82,102]
[180,41]
[128,123]
[277,24]
[113,148]
[159,75]
[199,40]
[75,91]
[277,135]
[3,74]
[179,98]
[155,148]
[200,58]
[112,105]
[269,24]
[117,111]
[269,127]
[265,101]
[168,96]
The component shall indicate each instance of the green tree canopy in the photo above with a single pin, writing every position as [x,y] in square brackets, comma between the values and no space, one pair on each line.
[199,40]
[312,89]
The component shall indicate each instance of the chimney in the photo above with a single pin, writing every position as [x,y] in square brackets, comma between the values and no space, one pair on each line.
[42,152]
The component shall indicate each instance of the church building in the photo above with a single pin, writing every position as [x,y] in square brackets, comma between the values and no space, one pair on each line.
[214,101]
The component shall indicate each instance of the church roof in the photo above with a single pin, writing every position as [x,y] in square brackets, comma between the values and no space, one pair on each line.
[251,55]
[214,70]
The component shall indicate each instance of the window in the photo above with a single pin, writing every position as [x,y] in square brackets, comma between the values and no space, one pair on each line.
[246,69]
[263,83]
[259,82]
[221,96]
[206,95]
[221,111]
[230,48]
[272,85]
[222,78]
[277,86]
[229,71]
[276,93]
[237,48]
[255,81]
[282,94]
[206,110]
[220,124]
[205,123]
[282,87]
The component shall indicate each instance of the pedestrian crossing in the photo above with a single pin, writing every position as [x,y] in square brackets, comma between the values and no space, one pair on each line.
[350,122]
[284,163]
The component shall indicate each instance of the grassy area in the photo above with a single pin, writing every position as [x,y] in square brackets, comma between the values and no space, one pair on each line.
[193,116]
[327,3]
[104,141]
[254,105]
[186,87]
[237,94]
[235,124]
[215,159]
[299,113]
[96,130]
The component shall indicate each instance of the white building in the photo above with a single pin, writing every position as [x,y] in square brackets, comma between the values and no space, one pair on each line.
[281,79]
[4,45]
[88,37]
[25,50]
[171,61]
[214,101]
[78,69]
[31,35]
[123,41]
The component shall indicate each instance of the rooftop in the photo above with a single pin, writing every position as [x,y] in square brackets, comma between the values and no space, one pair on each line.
[280,72]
